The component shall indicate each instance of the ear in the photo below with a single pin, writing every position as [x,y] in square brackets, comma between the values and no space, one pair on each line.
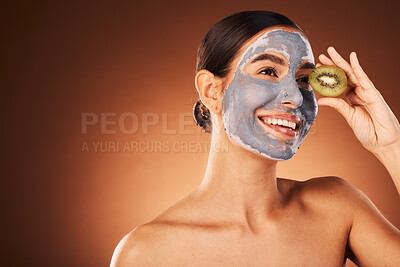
[209,88]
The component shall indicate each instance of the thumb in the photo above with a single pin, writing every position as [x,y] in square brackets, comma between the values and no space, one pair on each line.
[339,104]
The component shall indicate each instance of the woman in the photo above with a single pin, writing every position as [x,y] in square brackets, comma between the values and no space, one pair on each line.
[252,80]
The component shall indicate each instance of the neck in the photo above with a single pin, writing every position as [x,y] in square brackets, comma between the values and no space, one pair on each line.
[240,182]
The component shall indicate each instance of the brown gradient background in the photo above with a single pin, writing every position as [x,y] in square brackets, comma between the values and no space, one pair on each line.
[65,207]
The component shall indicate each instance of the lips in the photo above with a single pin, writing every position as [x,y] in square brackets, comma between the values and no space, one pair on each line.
[282,125]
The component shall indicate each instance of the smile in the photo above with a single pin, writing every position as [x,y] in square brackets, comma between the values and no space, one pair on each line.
[274,121]
[282,125]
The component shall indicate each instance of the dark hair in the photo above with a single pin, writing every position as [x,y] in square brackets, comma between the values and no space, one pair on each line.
[221,44]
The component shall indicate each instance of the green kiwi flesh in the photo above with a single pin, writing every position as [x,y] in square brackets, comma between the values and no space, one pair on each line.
[328,81]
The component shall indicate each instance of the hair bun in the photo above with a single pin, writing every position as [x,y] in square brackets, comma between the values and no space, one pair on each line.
[202,116]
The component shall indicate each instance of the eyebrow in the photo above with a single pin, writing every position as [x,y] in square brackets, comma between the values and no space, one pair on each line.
[307,65]
[270,57]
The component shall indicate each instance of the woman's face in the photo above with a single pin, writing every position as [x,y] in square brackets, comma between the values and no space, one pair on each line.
[269,107]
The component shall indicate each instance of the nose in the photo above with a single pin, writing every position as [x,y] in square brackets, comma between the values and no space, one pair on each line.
[288,104]
[290,95]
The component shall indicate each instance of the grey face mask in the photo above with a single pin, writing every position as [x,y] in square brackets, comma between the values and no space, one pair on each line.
[245,94]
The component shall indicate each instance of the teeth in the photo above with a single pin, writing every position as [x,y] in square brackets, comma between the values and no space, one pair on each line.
[286,123]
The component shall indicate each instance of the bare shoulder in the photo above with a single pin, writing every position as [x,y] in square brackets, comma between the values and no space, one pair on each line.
[337,196]
[319,187]
[329,186]
[331,193]
[153,243]
[141,244]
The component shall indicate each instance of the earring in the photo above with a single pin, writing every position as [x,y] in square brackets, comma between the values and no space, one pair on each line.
[215,95]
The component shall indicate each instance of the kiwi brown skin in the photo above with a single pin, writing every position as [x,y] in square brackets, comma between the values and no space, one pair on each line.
[328,81]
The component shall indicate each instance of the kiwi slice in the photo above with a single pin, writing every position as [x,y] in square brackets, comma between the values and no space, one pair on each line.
[328,81]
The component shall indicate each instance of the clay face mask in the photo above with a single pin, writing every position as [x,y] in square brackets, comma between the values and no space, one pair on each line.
[249,100]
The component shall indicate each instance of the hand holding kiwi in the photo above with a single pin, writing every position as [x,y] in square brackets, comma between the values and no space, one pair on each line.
[363,107]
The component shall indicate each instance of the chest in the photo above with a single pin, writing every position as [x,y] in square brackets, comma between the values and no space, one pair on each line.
[300,242]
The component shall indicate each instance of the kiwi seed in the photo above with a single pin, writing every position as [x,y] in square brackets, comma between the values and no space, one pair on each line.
[328,81]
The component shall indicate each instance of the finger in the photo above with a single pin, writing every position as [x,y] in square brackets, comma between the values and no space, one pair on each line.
[318,65]
[340,105]
[326,61]
[362,77]
[343,64]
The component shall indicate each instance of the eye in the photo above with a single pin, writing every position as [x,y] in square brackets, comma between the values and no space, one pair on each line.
[303,79]
[269,71]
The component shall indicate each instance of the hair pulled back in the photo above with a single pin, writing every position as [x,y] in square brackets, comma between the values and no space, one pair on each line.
[221,44]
